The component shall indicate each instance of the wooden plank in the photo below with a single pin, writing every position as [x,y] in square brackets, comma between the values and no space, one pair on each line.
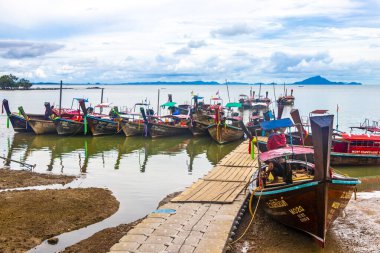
[243,174]
[215,173]
[214,196]
[188,192]
[231,188]
[205,190]
[235,193]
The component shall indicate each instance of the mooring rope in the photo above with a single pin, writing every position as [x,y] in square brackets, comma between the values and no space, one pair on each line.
[250,211]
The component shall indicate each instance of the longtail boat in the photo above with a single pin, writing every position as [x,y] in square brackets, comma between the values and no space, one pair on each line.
[101,124]
[134,126]
[133,123]
[41,126]
[245,102]
[72,121]
[286,100]
[310,196]
[18,122]
[254,123]
[170,125]
[225,130]
[199,127]
[200,117]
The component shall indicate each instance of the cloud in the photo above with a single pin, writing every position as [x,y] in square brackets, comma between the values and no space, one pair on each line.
[233,30]
[282,62]
[20,49]
[196,43]
[183,50]
[40,73]
[92,40]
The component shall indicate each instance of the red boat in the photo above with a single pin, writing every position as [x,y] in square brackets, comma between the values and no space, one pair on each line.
[356,149]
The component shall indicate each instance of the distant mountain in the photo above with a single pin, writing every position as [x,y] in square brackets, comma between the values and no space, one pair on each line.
[323,81]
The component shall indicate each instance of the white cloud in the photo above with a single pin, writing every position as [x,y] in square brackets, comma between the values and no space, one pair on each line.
[40,73]
[121,41]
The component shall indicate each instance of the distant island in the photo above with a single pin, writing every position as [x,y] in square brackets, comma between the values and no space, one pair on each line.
[319,80]
[315,80]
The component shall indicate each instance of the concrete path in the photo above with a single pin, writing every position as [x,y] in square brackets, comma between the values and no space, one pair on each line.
[191,227]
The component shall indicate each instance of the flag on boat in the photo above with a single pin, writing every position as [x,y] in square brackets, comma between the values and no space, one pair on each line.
[217,93]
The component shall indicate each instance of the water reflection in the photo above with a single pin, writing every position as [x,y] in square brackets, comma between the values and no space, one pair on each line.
[75,153]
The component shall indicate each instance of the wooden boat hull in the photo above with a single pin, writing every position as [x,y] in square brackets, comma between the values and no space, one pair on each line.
[162,130]
[40,126]
[303,206]
[285,101]
[99,126]
[68,127]
[224,134]
[347,159]
[198,128]
[253,128]
[19,124]
[133,128]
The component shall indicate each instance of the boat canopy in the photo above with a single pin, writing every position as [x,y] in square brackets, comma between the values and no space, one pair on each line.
[233,104]
[319,111]
[286,151]
[78,99]
[258,104]
[274,124]
[169,104]
[197,97]
[103,105]
[361,137]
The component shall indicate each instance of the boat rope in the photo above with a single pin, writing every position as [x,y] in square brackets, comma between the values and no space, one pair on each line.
[250,211]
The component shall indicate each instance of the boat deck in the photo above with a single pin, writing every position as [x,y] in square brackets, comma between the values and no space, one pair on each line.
[202,217]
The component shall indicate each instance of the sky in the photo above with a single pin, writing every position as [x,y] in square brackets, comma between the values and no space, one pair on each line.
[175,40]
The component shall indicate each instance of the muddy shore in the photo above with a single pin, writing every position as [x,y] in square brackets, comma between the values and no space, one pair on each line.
[21,178]
[29,217]
[32,216]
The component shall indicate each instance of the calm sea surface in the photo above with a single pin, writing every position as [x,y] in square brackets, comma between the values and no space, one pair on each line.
[140,171]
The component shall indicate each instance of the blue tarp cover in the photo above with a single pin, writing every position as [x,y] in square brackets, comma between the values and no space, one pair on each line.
[273,124]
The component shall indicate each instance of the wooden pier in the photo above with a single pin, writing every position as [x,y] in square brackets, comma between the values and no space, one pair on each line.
[202,218]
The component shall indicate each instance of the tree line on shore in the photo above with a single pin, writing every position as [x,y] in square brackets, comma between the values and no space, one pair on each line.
[11,82]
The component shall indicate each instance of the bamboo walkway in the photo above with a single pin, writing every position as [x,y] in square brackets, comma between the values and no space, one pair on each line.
[203,217]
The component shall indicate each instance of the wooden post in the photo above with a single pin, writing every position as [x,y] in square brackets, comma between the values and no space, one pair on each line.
[60,99]
[228,92]
[260,91]
[158,102]
[101,100]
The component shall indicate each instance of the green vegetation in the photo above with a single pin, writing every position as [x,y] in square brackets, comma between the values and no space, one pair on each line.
[11,82]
